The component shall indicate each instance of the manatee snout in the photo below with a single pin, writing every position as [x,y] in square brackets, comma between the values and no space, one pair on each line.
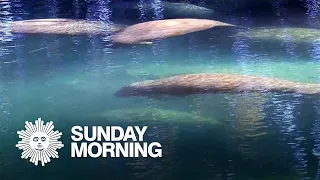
[123,92]
[128,91]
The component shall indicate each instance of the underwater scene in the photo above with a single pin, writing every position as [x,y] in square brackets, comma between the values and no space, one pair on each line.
[230,88]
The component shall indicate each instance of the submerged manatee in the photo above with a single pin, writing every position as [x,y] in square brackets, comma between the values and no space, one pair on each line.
[63,26]
[168,9]
[175,10]
[154,115]
[299,35]
[160,29]
[215,83]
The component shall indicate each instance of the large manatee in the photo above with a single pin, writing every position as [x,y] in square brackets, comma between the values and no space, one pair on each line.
[160,29]
[63,26]
[215,83]
[167,9]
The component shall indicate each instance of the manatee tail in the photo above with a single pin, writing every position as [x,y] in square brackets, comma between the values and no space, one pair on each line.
[242,27]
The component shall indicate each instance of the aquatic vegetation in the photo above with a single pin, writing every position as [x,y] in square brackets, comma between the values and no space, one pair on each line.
[299,35]
[153,115]
[63,26]
[215,83]
[160,29]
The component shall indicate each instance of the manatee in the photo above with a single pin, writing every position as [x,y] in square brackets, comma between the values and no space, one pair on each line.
[181,10]
[299,35]
[153,115]
[63,26]
[215,83]
[159,29]
[168,9]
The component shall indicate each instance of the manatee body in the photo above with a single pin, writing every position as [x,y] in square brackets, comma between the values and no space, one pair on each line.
[215,83]
[161,29]
[167,9]
[180,10]
[298,35]
[153,115]
[63,26]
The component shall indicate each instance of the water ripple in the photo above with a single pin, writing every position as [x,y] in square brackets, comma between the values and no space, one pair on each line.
[157,8]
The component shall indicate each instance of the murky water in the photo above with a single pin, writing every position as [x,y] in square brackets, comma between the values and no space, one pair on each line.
[71,80]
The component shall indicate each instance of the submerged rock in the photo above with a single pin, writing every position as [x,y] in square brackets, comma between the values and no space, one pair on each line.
[167,9]
[299,35]
[215,83]
[63,26]
[153,114]
[160,29]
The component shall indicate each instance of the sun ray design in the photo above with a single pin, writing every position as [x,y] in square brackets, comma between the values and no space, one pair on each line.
[39,142]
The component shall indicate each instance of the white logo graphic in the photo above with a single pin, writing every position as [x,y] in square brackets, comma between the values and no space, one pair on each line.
[39,142]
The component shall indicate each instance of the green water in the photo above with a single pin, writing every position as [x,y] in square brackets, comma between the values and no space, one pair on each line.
[71,80]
